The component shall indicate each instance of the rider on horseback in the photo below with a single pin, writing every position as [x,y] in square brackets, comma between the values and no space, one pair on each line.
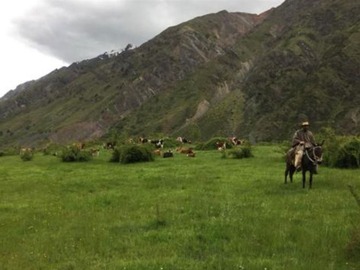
[302,139]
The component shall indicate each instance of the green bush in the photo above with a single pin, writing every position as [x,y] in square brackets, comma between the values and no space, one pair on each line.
[74,154]
[243,151]
[330,147]
[132,153]
[348,155]
[10,151]
[53,149]
[171,143]
[26,154]
[340,151]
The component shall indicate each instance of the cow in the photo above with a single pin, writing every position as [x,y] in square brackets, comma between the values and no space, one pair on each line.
[184,150]
[158,143]
[235,141]
[221,145]
[183,140]
[168,154]
[143,140]
[157,152]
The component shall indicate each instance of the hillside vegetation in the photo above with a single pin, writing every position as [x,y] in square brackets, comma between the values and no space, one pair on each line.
[252,76]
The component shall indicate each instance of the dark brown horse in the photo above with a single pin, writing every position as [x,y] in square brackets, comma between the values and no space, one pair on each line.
[311,158]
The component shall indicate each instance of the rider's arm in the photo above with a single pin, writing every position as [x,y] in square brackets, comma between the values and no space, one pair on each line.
[296,139]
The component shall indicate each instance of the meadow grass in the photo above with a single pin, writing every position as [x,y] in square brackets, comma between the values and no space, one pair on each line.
[206,212]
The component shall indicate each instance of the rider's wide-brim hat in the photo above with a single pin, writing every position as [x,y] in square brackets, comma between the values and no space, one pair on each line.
[305,123]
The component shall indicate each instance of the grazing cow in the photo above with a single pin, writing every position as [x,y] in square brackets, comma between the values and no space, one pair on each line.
[184,150]
[221,145]
[235,141]
[158,143]
[143,140]
[157,152]
[183,140]
[168,154]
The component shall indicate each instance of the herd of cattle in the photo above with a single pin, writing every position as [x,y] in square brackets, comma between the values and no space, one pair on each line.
[157,143]
[188,151]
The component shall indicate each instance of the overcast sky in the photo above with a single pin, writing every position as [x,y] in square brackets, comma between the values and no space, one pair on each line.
[38,36]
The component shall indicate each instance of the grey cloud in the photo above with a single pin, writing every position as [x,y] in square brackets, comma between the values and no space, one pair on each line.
[73,30]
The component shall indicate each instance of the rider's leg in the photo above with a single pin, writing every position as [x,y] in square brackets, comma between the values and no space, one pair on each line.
[299,151]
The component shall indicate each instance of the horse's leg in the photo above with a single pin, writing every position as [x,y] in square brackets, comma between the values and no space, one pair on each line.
[303,177]
[288,172]
[292,170]
[310,180]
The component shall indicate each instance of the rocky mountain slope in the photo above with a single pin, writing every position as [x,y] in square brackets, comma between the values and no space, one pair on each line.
[253,76]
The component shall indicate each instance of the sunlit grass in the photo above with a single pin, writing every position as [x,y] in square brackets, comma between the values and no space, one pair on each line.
[179,213]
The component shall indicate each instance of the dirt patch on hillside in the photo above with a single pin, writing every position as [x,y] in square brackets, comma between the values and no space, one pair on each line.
[83,131]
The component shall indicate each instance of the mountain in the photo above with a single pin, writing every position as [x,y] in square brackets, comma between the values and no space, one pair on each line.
[253,76]
[309,68]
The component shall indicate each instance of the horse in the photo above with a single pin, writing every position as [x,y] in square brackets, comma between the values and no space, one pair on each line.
[311,158]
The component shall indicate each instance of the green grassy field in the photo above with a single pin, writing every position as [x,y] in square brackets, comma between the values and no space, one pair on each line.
[205,212]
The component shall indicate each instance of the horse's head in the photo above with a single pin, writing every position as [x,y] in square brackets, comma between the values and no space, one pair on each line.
[318,152]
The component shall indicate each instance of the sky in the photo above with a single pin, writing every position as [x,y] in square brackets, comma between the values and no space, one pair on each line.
[39,36]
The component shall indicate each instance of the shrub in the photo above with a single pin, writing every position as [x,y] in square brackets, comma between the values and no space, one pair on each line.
[131,154]
[74,154]
[10,151]
[171,143]
[341,152]
[26,154]
[348,155]
[53,149]
[243,151]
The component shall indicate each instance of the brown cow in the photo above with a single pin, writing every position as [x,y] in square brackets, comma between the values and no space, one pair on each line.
[221,145]
[236,141]
[184,150]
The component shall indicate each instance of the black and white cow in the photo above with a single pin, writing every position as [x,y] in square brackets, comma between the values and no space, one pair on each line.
[159,143]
